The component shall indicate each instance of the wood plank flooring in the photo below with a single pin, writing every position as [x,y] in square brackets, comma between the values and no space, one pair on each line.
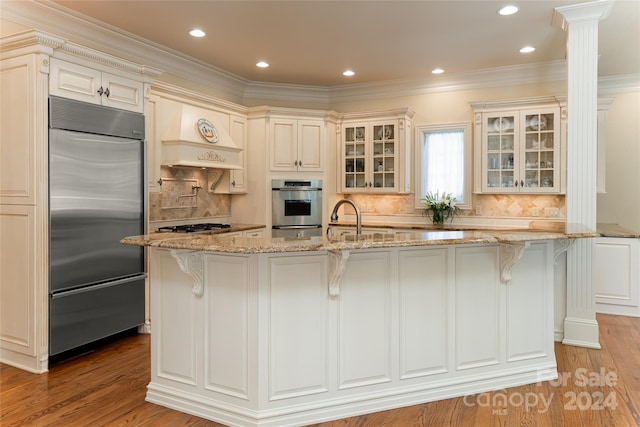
[107,388]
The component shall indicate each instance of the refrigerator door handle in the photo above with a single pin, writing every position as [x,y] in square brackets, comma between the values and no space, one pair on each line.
[100,286]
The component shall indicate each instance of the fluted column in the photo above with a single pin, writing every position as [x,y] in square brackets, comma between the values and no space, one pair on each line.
[581,22]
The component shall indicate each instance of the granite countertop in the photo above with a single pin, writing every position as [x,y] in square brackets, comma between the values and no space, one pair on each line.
[614,230]
[159,236]
[218,242]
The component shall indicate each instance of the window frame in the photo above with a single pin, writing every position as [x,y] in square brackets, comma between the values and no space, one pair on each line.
[420,132]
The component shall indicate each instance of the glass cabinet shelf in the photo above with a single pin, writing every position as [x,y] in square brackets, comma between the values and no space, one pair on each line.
[369,157]
[520,151]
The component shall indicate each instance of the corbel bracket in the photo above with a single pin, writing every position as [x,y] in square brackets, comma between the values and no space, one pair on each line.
[339,263]
[560,246]
[191,263]
[510,253]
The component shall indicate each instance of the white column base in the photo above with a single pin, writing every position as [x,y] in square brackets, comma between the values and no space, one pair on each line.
[581,332]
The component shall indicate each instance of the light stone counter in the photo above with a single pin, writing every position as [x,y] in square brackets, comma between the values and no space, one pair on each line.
[614,230]
[218,242]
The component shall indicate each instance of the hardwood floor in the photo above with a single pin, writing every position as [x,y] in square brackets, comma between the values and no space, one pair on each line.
[107,388]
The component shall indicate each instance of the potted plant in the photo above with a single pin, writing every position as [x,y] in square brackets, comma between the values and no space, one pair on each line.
[440,207]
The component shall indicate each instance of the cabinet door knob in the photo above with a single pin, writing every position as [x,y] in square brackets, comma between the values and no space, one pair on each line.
[100,91]
[233,183]
[521,183]
[106,92]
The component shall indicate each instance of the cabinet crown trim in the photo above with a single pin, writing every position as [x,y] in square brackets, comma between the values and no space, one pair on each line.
[37,40]
[519,103]
[266,111]
[397,113]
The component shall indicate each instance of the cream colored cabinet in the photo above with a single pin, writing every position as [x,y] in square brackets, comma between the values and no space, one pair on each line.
[23,211]
[238,177]
[247,233]
[254,233]
[336,230]
[86,84]
[520,150]
[297,145]
[22,131]
[234,181]
[153,145]
[375,154]
[617,275]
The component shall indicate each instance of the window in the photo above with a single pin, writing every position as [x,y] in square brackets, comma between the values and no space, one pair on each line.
[443,162]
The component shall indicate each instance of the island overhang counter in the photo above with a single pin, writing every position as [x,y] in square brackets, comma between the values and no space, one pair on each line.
[284,332]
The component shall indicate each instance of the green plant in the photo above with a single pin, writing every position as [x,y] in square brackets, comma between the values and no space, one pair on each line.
[440,206]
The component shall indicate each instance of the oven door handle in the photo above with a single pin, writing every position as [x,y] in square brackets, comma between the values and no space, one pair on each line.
[292,227]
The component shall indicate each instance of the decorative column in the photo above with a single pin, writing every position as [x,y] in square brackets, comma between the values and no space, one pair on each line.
[581,22]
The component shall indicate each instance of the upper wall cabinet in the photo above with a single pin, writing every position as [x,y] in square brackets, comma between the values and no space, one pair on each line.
[374,152]
[297,145]
[174,138]
[86,84]
[520,146]
[234,181]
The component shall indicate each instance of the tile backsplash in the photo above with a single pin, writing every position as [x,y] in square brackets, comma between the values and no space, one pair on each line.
[166,205]
[178,199]
[484,205]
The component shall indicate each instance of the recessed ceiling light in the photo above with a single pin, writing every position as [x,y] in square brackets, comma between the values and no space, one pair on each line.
[508,10]
[437,71]
[348,73]
[197,33]
[527,49]
[262,64]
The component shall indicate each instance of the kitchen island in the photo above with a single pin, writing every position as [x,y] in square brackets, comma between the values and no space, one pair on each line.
[294,331]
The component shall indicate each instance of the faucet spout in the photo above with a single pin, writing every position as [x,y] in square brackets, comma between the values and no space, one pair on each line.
[334,214]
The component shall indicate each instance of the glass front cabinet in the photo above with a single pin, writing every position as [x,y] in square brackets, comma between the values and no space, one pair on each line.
[375,155]
[520,151]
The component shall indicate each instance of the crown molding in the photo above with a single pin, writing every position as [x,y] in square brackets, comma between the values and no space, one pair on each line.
[35,41]
[493,77]
[176,93]
[257,92]
[50,17]
[619,84]
[529,102]
[70,27]
[267,111]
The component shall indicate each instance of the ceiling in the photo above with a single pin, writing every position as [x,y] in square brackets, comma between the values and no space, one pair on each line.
[313,42]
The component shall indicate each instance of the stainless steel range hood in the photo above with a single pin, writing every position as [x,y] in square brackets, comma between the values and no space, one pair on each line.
[196,138]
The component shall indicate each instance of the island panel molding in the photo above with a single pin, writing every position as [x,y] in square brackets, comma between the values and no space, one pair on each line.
[425,293]
[524,298]
[364,336]
[298,326]
[477,306]
[227,308]
[267,345]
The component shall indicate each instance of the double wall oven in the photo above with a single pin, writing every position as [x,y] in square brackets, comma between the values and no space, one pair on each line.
[296,207]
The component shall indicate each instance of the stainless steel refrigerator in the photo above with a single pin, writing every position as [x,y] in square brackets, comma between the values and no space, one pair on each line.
[96,197]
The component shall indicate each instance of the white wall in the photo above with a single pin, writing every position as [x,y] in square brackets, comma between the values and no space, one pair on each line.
[621,202]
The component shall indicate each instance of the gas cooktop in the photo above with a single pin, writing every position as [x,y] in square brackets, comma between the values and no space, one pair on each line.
[194,228]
